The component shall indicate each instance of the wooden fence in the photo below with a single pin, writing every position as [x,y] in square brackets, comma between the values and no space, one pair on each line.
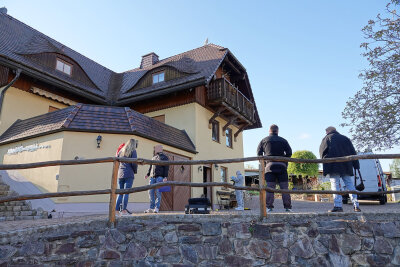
[116,161]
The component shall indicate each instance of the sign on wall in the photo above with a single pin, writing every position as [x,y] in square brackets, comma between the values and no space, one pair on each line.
[30,148]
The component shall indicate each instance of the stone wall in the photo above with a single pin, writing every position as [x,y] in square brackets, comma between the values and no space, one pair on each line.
[210,240]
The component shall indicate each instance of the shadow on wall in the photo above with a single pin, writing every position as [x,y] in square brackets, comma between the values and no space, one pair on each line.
[22,186]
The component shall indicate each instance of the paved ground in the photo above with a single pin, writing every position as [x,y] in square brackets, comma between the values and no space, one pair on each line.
[322,207]
[299,207]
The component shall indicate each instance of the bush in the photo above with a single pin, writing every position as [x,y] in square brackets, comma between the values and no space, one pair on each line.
[324,186]
[303,169]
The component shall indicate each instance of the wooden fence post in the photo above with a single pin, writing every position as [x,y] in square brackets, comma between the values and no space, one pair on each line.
[113,196]
[261,184]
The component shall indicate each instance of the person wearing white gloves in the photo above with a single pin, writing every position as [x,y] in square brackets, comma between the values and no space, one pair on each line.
[239,181]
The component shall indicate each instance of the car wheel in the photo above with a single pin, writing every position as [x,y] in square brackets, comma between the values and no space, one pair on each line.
[382,200]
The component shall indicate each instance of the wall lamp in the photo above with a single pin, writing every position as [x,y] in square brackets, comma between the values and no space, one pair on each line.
[200,168]
[98,140]
[216,167]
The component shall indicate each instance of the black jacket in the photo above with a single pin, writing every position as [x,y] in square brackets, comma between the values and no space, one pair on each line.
[160,170]
[336,145]
[274,145]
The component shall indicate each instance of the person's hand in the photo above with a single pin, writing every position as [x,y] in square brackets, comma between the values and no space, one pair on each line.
[146,177]
[165,179]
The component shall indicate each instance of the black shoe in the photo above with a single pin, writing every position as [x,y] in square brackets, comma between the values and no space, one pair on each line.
[357,209]
[336,209]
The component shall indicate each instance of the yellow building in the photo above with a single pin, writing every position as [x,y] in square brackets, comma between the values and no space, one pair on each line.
[202,96]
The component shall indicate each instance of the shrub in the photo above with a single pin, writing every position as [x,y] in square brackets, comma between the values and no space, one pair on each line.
[303,169]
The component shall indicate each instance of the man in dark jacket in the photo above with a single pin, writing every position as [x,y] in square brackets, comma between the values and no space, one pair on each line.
[274,145]
[157,174]
[336,145]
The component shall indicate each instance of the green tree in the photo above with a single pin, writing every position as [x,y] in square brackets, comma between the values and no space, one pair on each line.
[303,169]
[395,168]
[373,113]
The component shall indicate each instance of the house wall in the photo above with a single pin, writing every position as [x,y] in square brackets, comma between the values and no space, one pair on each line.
[98,176]
[194,119]
[43,178]
[19,104]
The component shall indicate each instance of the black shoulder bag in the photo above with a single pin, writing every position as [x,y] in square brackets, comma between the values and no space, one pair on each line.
[361,186]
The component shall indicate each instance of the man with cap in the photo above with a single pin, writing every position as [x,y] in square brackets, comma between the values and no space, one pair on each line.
[336,145]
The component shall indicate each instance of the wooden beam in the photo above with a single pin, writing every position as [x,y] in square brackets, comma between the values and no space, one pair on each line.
[173,183]
[232,66]
[211,188]
[239,131]
[263,197]
[113,195]
[216,114]
[231,120]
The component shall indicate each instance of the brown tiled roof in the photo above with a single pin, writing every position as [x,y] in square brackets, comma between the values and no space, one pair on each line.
[99,119]
[199,63]
[18,41]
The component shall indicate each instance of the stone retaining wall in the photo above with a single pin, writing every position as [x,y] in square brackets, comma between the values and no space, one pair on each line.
[210,240]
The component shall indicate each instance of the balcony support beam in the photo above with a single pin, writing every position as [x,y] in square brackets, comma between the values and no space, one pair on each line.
[239,131]
[216,114]
[231,120]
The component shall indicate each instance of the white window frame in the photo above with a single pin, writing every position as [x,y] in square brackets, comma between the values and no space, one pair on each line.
[156,77]
[63,66]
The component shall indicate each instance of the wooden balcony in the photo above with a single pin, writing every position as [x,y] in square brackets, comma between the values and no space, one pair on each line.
[226,99]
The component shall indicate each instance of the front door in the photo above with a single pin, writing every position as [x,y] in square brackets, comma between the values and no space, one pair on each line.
[207,191]
[179,195]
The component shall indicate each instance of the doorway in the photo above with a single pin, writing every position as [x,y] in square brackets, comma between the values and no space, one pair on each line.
[207,191]
[179,195]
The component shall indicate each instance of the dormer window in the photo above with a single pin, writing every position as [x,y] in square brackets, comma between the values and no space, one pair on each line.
[158,77]
[64,67]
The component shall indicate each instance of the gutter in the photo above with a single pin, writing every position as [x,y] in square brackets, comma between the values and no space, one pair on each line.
[163,91]
[3,92]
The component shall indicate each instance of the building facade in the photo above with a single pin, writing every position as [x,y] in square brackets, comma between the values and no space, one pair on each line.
[203,94]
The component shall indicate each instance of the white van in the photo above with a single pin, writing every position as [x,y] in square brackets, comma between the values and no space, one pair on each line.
[373,178]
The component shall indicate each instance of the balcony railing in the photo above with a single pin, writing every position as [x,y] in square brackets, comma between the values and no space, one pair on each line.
[221,90]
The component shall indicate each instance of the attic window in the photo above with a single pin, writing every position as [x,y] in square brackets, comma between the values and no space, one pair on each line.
[158,77]
[63,67]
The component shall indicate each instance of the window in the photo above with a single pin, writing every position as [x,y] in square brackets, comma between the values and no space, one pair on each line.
[215,131]
[160,118]
[158,77]
[228,134]
[51,108]
[63,67]
[224,173]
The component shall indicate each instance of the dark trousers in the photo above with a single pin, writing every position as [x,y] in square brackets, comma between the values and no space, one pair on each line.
[281,177]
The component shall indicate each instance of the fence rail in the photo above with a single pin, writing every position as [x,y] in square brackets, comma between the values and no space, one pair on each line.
[116,161]
[142,161]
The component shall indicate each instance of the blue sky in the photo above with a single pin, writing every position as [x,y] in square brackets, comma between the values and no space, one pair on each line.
[303,57]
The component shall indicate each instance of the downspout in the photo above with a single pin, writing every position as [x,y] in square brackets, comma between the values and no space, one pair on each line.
[3,92]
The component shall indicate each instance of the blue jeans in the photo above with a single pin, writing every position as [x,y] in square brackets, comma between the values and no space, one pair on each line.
[124,183]
[335,185]
[155,201]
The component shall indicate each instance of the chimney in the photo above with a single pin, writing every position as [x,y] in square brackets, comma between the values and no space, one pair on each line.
[148,60]
[3,10]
